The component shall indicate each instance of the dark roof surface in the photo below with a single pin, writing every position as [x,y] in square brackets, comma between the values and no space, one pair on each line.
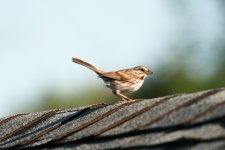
[184,121]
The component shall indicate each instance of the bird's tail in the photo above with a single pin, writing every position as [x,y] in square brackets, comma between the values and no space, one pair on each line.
[83,63]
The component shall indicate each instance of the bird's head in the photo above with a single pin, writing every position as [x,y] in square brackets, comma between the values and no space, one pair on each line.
[143,71]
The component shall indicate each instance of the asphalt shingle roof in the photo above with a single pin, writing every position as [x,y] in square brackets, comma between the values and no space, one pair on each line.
[183,121]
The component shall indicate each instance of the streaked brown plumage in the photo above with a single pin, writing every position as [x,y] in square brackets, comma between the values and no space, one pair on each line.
[122,81]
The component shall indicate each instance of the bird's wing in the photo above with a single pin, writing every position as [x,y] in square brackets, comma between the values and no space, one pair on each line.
[120,75]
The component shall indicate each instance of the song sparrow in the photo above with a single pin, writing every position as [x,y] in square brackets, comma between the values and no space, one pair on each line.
[122,81]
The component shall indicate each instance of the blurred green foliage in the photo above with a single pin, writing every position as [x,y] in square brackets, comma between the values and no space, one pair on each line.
[52,100]
[179,79]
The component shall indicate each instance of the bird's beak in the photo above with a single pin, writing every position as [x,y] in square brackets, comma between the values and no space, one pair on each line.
[149,72]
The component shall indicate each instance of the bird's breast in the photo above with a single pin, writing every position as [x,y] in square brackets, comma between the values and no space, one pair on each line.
[124,86]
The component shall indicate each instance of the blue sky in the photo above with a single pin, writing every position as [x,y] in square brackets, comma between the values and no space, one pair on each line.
[39,38]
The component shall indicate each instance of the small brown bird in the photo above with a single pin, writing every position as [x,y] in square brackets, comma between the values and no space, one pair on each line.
[122,81]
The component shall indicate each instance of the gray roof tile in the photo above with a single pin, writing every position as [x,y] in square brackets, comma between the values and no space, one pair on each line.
[184,121]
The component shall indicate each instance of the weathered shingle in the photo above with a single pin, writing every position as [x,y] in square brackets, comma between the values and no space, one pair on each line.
[183,121]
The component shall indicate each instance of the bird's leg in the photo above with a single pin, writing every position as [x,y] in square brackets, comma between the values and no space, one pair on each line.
[123,97]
